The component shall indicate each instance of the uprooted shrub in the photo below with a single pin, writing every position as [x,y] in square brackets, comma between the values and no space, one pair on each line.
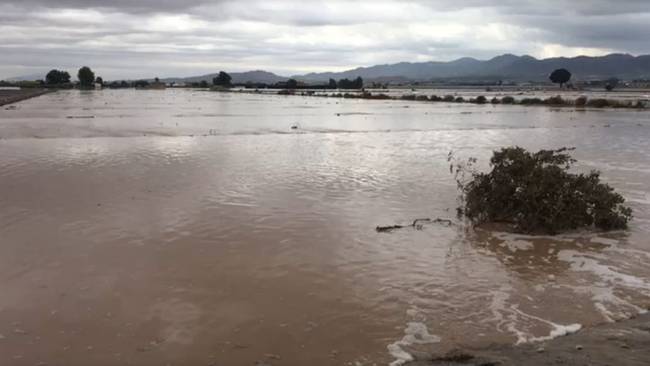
[535,193]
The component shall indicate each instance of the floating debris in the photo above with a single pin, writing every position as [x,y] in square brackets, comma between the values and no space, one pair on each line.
[417,224]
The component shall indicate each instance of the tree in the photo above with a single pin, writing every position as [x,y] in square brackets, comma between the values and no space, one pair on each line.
[99,80]
[611,84]
[332,84]
[203,84]
[357,83]
[57,77]
[141,84]
[223,79]
[560,76]
[351,84]
[86,76]
[292,84]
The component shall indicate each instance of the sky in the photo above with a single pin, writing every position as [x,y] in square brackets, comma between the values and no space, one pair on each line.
[148,38]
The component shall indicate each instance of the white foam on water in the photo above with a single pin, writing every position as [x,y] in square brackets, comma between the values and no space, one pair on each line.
[558,331]
[609,278]
[514,242]
[518,244]
[583,263]
[605,241]
[508,317]
[416,332]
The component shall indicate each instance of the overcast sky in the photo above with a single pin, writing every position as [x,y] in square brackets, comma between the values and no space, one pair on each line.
[147,38]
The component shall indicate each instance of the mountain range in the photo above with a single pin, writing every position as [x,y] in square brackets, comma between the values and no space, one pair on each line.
[257,76]
[506,67]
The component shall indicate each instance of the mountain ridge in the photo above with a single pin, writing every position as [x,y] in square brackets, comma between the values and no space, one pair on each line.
[506,66]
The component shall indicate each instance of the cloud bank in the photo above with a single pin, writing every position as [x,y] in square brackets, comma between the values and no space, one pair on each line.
[147,38]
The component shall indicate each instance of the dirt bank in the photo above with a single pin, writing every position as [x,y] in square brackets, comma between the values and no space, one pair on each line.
[623,343]
[13,96]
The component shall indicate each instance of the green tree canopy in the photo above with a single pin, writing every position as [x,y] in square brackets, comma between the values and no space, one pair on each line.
[86,76]
[611,84]
[560,76]
[292,84]
[351,84]
[223,79]
[57,77]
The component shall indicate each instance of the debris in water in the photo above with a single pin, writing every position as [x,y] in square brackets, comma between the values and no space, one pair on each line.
[417,224]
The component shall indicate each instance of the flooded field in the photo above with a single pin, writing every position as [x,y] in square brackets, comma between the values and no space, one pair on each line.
[185,227]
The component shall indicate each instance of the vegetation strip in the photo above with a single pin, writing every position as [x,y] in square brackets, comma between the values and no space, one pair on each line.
[555,101]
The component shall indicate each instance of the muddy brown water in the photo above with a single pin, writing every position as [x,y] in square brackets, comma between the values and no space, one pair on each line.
[184,227]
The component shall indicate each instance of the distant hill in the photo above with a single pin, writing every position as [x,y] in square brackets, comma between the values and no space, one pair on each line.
[30,77]
[507,67]
[257,76]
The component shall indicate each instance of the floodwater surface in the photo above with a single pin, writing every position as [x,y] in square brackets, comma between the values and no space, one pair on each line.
[185,227]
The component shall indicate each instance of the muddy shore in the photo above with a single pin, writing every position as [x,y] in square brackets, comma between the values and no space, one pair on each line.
[14,96]
[622,343]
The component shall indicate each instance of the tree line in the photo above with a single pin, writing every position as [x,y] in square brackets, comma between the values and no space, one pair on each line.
[87,79]
[60,78]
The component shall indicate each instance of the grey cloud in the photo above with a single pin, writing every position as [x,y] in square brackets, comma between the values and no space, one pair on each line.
[181,37]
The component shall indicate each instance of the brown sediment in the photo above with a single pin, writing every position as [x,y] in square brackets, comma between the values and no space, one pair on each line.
[623,343]
[14,96]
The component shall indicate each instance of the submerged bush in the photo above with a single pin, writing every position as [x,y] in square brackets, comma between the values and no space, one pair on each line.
[556,100]
[408,97]
[480,100]
[531,101]
[581,101]
[535,193]
[598,103]
[508,100]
